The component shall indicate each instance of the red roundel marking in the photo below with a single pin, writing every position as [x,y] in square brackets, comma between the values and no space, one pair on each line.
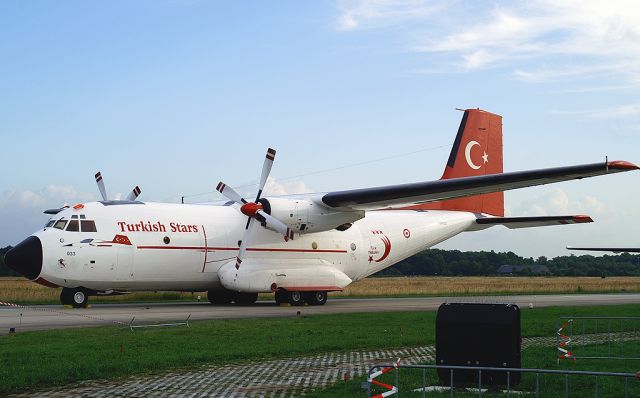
[406,233]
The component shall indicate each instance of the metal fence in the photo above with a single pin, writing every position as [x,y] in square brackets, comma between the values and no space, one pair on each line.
[535,382]
[615,337]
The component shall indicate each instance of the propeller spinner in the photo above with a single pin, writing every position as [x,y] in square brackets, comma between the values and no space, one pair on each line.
[254,210]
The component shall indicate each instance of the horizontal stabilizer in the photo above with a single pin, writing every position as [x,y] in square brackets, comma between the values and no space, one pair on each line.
[608,249]
[529,222]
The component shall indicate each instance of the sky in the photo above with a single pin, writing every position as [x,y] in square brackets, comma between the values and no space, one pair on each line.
[175,96]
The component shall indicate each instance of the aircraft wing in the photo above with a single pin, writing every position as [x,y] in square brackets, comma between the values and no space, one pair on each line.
[529,222]
[432,191]
[608,249]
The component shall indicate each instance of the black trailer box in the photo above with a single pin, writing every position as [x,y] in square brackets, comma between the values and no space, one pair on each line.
[475,334]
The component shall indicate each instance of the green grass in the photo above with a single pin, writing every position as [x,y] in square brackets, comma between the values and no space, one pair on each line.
[551,386]
[36,359]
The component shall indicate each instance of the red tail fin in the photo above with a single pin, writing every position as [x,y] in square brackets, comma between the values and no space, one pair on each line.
[476,151]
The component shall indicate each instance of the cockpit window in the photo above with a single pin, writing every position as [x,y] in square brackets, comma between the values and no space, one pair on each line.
[88,225]
[60,224]
[73,226]
[50,223]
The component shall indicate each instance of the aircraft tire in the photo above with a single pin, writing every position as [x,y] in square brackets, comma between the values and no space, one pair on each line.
[246,298]
[295,298]
[65,296]
[316,298]
[281,297]
[220,297]
[79,297]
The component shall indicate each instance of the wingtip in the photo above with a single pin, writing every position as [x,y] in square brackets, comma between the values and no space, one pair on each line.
[622,165]
[582,219]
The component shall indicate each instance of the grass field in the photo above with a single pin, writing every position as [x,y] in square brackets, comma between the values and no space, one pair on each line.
[36,359]
[22,291]
[551,386]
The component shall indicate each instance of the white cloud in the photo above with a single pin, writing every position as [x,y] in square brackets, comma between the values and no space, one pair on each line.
[569,38]
[559,203]
[364,14]
[49,196]
[277,188]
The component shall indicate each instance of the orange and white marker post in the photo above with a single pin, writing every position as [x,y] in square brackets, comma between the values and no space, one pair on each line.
[565,341]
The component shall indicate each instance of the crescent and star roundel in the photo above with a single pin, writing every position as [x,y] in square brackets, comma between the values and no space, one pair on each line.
[467,155]
[387,247]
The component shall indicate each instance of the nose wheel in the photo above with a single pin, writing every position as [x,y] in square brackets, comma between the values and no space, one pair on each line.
[76,297]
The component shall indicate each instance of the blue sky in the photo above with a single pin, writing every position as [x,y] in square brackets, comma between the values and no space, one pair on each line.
[177,95]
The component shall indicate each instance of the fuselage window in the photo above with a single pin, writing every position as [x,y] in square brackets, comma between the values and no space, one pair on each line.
[50,223]
[60,224]
[73,226]
[88,226]
[74,217]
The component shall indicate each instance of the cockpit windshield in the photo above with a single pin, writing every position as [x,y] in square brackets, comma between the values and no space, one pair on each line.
[76,224]
[60,224]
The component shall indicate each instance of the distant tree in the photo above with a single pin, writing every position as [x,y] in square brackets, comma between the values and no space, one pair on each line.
[455,262]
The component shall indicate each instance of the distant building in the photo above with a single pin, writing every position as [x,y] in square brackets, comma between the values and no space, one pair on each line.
[523,269]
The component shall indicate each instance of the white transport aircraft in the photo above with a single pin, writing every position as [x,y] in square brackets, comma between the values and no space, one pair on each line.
[300,246]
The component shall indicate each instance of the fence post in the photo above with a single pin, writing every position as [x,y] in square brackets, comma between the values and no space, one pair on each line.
[424,381]
[537,385]
[626,387]
[397,378]
[451,383]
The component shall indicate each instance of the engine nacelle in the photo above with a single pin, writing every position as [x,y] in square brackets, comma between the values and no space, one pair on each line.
[303,215]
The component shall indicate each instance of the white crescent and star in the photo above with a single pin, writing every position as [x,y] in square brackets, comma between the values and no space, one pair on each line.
[467,155]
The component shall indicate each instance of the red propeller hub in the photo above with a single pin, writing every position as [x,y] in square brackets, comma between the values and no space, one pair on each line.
[250,209]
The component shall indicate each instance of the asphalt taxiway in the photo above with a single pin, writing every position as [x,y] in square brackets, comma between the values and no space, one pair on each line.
[57,317]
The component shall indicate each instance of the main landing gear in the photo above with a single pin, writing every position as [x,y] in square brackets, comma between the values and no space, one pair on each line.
[76,297]
[299,298]
[228,297]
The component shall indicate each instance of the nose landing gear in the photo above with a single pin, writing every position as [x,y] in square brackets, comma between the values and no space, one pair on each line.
[76,297]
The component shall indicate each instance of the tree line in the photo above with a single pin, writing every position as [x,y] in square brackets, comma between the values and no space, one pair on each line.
[458,263]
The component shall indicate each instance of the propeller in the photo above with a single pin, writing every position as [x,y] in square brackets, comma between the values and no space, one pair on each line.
[103,192]
[132,195]
[254,210]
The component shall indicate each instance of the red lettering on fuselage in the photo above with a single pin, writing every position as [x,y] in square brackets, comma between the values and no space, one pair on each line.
[148,226]
[177,227]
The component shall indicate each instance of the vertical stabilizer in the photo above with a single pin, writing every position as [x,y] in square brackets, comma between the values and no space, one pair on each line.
[476,151]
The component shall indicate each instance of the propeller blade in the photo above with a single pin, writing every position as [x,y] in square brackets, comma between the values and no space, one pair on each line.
[244,242]
[274,224]
[266,169]
[134,194]
[230,193]
[101,187]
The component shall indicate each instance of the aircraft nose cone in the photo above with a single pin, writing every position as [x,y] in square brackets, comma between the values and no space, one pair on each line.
[26,257]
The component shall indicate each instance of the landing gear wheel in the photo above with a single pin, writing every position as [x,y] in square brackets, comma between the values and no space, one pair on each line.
[296,298]
[316,298]
[246,298]
[75,297]
[281,297]
[65,296]
[220,297]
